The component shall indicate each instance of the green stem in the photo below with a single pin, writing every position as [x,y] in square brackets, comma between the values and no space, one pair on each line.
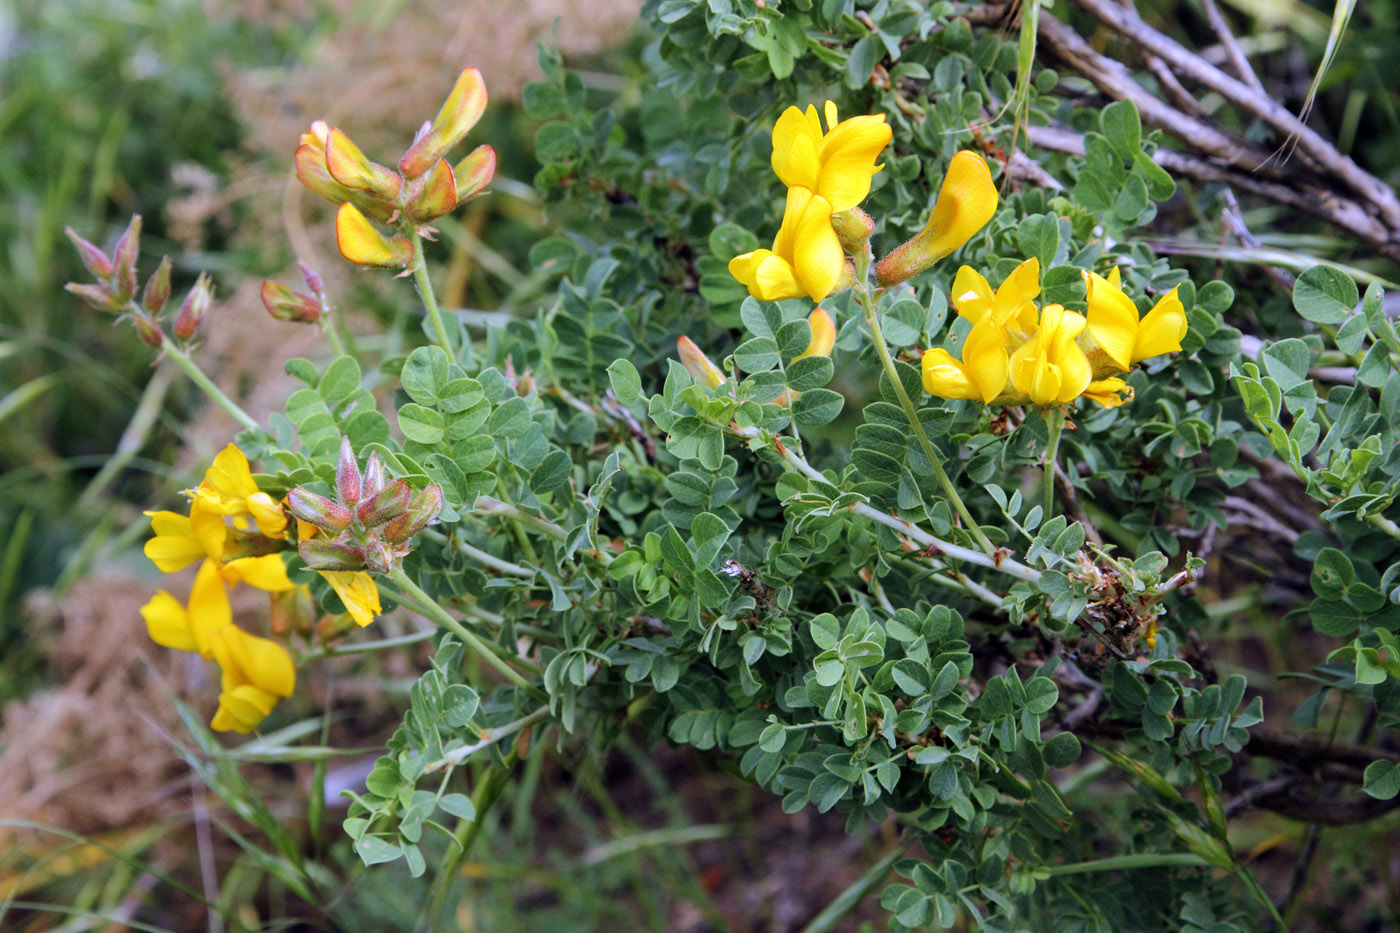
[487,792]
[429,607]
[1130,862]
[848,900]
[182,359]
[332,332]
[132,439]
[1054,425]
[878,336]
[425,290]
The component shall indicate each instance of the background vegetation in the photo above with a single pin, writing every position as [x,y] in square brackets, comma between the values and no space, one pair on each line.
[652,146]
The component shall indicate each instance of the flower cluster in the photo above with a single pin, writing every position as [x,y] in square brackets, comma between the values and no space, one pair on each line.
[826,174]
[1015,354]
[424,187]
[368,524]
[237,533]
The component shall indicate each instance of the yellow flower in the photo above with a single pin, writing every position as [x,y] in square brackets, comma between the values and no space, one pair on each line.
[256,671]
[823,334]
[806,258]
[1011,305]
[357,591]
[183,539]
[1124,339]
[228,489]
[1049,368]
[195,626]
[967,200]
[363,245]
[980,375]
[836,165]
[1110,393]
[701,368]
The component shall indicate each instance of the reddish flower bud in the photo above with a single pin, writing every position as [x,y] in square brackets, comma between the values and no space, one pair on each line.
[124,260]
[330,555]
[286,305]
[193,308]
[326,514]
[458,115]
[97,296]
[312,171]
[150,332]
[94,260]
[374,475]
[474,172]
[389,502]
[313,281]
[348,478]
[422,511]
[157,291]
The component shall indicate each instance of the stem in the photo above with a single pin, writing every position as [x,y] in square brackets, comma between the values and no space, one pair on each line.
[132,439]
[483,798]
[489,737]
[425,290]
[430,609]
[1130,862]
[1055,425]
[332,332]
[182,359]
[878,337]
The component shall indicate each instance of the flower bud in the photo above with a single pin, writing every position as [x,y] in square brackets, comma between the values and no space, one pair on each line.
[422,511]
[331,555]
[436,194]
[94,260]
[286,305]
[853,228]
[97,296]
[374,475]
[823,334]
[389,502]
[474,172]
[192,309]
[124,259]
[326,514]
[347,475]
[967,200]
[353,169]
[150,332]
[458,115]
[313,172]
[157,291]
[313,281]
[700,367]
[363,245]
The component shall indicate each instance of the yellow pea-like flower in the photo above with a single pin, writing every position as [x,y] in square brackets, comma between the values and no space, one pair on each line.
[363,245]
[1115,327]
[701,368]
[823,334]
[966,201]
[256,672]
[357,591]
[806,258]
[836,165]
[981,374]
[1011,305]
[1049,368]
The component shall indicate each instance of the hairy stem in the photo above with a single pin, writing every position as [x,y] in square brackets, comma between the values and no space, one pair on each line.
[425,291]
[206,385]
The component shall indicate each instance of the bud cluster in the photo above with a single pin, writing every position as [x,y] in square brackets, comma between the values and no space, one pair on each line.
[424,186]
[371,521]
[115,288]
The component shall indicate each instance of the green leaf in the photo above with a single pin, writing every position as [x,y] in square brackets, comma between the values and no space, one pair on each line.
[1287,361]
[1038,237]
[825,630]
[757,355]
[460,805]
[425,370]
[340,381]
[552,473]
[902,322]
[1382,779]
[865,55]
[626,383]
[1123,127]
[1325,295]
[810,372]
[423,425]
[509,421]
[817,406]
[373,850]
